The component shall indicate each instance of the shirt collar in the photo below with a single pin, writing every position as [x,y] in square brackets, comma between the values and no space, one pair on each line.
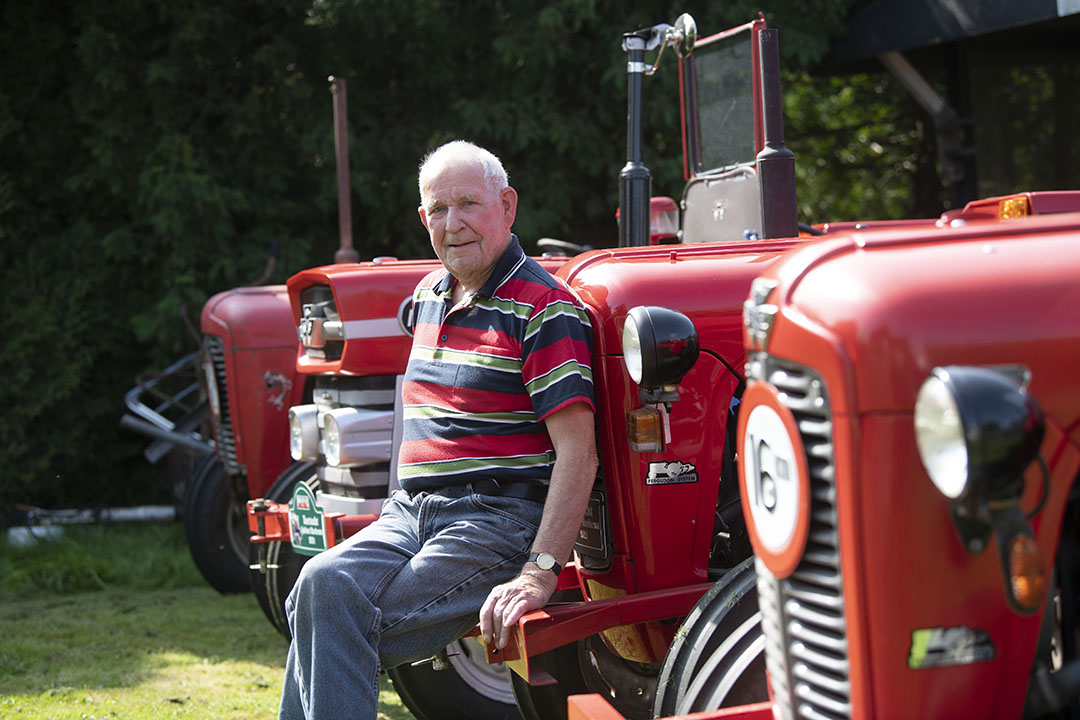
[507,264]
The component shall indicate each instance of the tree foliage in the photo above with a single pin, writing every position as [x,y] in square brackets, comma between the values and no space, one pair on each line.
[151,153]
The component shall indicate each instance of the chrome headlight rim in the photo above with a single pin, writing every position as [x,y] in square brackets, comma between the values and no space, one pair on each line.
[631,347]
[940,435]
[331,440]
[304,432]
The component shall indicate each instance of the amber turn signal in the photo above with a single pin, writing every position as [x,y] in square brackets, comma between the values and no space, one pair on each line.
[1027,574]
[1014,207]
[645,429]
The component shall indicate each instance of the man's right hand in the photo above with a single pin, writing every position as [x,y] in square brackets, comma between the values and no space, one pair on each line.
[507,603]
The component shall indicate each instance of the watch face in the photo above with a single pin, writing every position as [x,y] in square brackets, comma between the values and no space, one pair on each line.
[545,561]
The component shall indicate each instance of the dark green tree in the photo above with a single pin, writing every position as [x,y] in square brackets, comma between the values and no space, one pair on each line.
[151,154]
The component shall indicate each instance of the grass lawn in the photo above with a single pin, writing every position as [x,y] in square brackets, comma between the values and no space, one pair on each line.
[117,623]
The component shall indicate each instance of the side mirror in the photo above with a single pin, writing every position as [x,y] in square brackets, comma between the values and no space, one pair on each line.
[684,34]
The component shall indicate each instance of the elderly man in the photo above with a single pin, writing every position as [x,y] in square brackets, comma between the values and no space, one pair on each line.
[496,464]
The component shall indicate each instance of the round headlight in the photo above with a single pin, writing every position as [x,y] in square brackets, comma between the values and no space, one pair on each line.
[939,435]
[631,347]
[659,346]
[976,429]
[331,440]
[304,432]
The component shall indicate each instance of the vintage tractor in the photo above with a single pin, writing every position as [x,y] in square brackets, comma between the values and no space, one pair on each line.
[249,365]
[915,383]
[665,521]
[219,416]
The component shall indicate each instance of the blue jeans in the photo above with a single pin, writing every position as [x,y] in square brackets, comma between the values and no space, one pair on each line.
[398,591]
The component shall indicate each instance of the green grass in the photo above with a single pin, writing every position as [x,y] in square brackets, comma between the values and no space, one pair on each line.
[117,623]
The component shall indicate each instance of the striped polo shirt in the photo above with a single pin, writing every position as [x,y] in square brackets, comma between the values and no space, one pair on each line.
[484,375]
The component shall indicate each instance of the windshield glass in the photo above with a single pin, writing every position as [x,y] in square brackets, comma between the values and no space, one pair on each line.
[723,89]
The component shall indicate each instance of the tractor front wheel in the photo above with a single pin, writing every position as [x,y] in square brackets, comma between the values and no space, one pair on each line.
[718,657]
[282,563]
[215,525]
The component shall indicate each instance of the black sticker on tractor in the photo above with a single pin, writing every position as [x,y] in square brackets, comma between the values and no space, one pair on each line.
[671,473]
[941,647]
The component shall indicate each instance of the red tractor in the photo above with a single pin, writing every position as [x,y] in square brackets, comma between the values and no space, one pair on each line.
[914,382]
[225,408]
[249,365]
[665,521]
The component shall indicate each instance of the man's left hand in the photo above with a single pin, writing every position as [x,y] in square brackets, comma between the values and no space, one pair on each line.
[506,604]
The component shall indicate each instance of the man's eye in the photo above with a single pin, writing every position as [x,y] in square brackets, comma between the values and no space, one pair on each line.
[437,210]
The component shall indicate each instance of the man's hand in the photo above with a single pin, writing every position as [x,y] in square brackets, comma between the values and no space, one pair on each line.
[506,604]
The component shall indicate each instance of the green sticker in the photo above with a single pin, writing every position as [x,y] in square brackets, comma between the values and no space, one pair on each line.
[946,646]
[307,524]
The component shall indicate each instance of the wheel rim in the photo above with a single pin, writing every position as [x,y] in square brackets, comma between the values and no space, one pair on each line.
[491,681]
[738,662]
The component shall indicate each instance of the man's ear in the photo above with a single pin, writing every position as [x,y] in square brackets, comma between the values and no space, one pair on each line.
[423,217]
[508,197]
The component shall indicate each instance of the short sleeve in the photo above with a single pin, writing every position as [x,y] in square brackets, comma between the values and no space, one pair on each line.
[557,354]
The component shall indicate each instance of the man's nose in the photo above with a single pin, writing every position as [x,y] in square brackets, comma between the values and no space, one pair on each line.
[454,218]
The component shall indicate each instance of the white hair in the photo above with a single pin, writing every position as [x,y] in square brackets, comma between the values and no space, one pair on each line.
[464,152]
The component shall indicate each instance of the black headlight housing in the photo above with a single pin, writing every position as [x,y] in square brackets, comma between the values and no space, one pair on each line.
[659,346]
[977,428]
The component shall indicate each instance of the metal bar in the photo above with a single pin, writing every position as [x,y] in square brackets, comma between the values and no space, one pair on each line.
[563,623]
[916,85]
[594,707]
[775,162]
[634,180]
[133,397]
[142,427]
[345,252]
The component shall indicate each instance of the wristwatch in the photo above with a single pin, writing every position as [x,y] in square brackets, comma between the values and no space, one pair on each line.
[545,561]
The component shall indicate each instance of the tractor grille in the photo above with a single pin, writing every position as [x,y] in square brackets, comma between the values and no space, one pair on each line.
[225,434]
[803,620]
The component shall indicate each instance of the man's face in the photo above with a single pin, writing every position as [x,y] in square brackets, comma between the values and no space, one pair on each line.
[469,224]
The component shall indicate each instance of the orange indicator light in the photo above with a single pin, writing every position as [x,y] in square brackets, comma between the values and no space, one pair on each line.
[645,429]
[1027,575]
[1013,207]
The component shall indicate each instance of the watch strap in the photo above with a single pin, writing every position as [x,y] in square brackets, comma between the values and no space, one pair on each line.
[555,566]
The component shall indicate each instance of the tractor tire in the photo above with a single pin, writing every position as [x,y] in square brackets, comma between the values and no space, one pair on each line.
[718,657]
[470,690]
[586,666]
[283,564]
[215,525]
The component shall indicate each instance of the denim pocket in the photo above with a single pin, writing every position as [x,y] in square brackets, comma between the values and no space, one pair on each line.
[523,512]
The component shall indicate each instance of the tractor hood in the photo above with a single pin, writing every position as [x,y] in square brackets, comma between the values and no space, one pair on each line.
[251,318]
[708,283]
[897,304]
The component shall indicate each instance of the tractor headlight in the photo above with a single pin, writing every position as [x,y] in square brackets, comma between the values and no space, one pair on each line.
[331,440]
[355,436]
[976,430]
[304,432]
[940,437]
[659,346]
